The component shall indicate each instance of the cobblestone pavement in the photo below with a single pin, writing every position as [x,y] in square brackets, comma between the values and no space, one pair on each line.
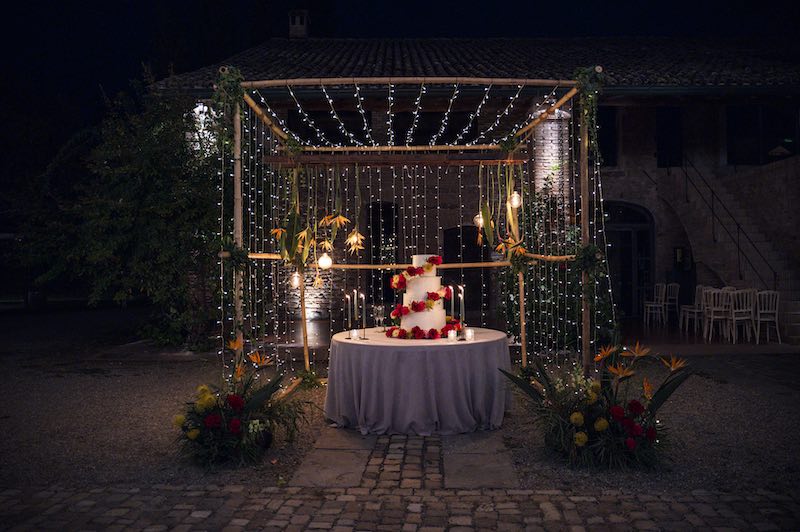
[411,462]
[237,507]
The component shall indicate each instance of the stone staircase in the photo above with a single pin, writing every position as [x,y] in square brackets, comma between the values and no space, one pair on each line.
[755,262]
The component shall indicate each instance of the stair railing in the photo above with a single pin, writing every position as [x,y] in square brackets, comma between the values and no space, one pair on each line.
[714,203]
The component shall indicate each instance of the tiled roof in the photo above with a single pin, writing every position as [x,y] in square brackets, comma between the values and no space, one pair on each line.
[630,63]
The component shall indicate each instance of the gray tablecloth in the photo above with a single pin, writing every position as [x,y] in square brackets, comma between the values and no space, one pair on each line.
[388,386]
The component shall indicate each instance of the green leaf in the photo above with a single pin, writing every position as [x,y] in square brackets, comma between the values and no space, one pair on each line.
[263,394]
[667,388]
[487,223]
[523,385]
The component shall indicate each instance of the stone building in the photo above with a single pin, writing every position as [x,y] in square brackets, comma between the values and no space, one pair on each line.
[701,173]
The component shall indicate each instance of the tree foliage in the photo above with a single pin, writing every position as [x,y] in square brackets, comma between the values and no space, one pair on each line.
[139,216]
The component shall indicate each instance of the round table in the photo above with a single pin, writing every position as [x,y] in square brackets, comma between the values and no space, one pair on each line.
[389,386]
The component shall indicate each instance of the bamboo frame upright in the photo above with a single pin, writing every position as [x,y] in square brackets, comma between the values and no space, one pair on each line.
[586,320]
[238,282]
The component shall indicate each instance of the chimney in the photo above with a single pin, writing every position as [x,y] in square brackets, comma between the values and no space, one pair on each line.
[298,23]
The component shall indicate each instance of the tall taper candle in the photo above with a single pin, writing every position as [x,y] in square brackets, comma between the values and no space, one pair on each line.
[355,306]
[452,303]
[349,316]
[364,314]
[461,308]
[463,296]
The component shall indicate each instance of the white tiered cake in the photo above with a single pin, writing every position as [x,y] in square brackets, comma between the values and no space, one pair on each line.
[417,289]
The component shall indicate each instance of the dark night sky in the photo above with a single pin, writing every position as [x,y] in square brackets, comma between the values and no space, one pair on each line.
[58,56]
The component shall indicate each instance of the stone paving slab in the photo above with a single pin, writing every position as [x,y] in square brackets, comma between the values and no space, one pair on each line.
[484,442]
[336,468]
[336,438]
[251,507]
[479,470]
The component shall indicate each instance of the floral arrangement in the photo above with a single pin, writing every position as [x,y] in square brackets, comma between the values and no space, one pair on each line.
[236,424]
[419,306]
[603,421]
[417,333]
[399,281]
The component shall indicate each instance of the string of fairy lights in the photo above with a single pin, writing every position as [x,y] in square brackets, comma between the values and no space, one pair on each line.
[395,201]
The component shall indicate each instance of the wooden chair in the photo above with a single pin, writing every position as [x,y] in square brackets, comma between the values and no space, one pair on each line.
[741,312]
[672,298]
[692,312]
[767,313]
[716,307]
[657,308]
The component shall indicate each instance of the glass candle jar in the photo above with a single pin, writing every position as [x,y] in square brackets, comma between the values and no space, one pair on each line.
[469,334]
[452,335]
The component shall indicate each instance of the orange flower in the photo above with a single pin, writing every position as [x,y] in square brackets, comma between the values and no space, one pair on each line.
[278,233]
[326,245]
[637,351]
[674,363]
[618,371]
[239,372]
[259,359]
[648,388]
[235,345]
[605,352]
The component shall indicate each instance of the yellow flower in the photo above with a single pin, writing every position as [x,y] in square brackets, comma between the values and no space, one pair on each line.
[601,424]
[304,235]
[178,420]
[193,434]
[592,399]
[354,241]
[637,351]
[674,363]
[581,438]
[205,402]
[259,359]
[236,344]
[605,352]
[326,245]
[619,371]
[278,233]
[595,386]
[576,419]
[647,388]
[203,390]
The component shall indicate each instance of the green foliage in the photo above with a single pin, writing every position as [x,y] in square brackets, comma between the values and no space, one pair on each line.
[237,257]
[600,422]
[139,218]
[308,379]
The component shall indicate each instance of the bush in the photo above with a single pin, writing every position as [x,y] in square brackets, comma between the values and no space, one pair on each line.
[601,421]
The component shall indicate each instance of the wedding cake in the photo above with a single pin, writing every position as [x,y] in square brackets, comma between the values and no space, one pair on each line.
[422,313]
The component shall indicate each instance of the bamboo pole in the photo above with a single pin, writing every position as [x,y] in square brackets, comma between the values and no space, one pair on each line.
[289,389]
[550,258]
[416,148]
[238,285]
[523,340]
[586,323]
[264,118]
[264,256]
[392,159]
[410,80]
[547,112]
[306,359]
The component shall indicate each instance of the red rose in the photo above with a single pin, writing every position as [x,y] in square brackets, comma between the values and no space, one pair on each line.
[630,443]
[617,412]
[446,329]
[235,426]
[404,310]
[212,421]
[419,334]
[436,260]
[635,407]
[402,333]
[636,430]
[433,334]
[433,296]
[628,424]
[448,294]
[417,306]
[411,270]
[420,271]
[236,402]
[651,434]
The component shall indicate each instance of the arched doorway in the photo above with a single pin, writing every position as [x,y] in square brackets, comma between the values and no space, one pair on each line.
[631,239]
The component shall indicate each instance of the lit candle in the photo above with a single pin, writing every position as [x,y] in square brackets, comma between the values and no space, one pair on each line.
[469,334]
[452,335]
[355,306]
[349,316]
[461,301]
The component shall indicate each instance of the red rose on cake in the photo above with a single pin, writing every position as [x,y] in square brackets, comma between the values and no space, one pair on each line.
[436,260]
[434,296]
[433,334]
[418,306]
[398,282]
[418,333]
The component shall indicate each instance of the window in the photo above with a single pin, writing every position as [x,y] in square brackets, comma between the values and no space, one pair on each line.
[607,135]
[669,137]
[759,134]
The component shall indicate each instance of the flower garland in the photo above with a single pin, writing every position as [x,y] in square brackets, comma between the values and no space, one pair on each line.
[418,333]
[399,281]
[419,306]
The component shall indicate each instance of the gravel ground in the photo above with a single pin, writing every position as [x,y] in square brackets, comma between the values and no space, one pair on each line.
[733,427]
[77,412]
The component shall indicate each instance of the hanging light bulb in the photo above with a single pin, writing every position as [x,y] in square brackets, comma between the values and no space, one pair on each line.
[294,280]
[478,220]
[325,261]
[515,200]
